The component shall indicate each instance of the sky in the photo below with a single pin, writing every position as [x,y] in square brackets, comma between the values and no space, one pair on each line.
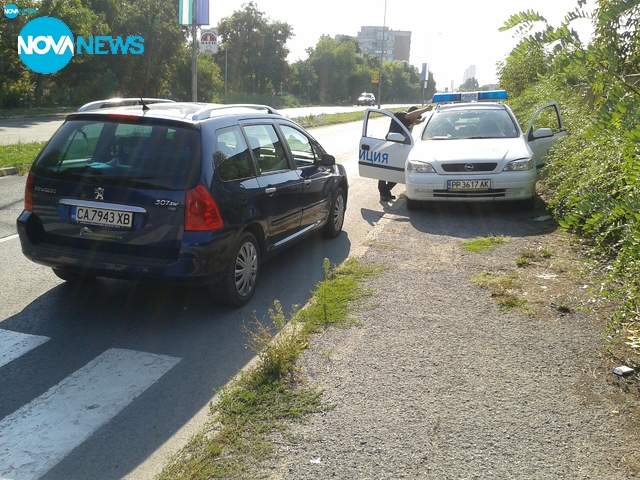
[448,35]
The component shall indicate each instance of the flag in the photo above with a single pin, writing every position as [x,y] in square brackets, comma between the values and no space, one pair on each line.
[186,12]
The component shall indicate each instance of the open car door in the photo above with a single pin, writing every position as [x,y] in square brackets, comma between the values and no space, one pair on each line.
[543,132]
[382,155]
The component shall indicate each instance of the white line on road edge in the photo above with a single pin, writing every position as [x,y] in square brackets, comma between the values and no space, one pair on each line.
[40,434]
[15,344]
[10,237]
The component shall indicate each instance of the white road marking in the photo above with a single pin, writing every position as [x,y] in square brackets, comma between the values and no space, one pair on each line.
[15,344]
[10,237]
[40,434]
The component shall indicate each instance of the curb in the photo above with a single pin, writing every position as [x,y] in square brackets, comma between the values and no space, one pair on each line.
[8,171]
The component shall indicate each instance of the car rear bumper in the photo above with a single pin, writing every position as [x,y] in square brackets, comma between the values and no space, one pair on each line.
[201,259]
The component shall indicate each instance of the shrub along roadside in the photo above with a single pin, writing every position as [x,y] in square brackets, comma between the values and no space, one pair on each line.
[261,399]
[592,187]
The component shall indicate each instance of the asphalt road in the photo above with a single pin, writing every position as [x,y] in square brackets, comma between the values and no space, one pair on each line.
[70,409]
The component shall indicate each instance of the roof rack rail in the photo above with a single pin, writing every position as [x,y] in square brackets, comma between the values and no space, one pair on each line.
[206,111]
[121,102]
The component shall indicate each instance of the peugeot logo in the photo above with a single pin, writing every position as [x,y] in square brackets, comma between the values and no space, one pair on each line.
[468,167]
[99,191]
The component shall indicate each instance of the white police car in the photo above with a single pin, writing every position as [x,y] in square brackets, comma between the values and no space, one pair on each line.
[469,148]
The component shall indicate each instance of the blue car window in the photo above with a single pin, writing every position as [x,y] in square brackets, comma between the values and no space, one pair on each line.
[232,157]
[266,148]
[300,146]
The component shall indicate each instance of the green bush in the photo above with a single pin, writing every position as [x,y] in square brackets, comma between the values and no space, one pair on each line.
[592,184]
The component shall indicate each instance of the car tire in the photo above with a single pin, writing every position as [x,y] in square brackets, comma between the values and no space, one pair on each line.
[412,204]
[335,219]
[243,271]
[72,277]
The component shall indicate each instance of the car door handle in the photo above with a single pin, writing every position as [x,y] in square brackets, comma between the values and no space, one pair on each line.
[270,190]
[307,182]
[364,147]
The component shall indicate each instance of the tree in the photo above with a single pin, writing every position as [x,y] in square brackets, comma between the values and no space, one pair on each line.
[519,72]
[164,39]
[401,82]
[256,50]
[303,80]
[470,85]
[16,81]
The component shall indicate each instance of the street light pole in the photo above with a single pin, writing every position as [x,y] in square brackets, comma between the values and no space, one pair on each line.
[384,26]
[194,55]
[226,68]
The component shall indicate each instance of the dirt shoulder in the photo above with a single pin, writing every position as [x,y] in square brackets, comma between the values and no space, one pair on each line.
[441,380]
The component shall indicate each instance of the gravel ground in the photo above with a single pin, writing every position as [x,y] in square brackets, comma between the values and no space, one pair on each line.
[437,382]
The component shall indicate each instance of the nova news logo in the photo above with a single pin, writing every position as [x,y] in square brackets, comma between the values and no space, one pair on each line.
[46,45]
[12,11]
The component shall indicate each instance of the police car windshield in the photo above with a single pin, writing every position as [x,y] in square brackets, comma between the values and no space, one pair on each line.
[470,123]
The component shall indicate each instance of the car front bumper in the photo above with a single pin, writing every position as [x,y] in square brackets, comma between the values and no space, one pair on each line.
[504,187]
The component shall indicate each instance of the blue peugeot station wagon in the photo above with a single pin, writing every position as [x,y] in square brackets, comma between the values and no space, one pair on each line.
[181,192]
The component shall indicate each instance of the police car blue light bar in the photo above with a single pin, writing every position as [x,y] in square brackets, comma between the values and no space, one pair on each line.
[470,96]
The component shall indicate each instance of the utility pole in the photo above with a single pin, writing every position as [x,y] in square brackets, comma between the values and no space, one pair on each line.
[384,26]
[194,54]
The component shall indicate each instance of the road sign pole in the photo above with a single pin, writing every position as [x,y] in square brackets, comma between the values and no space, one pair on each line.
[194,54]
[384,25]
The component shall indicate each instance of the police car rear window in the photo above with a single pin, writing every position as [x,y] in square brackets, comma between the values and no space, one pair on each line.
[122,153]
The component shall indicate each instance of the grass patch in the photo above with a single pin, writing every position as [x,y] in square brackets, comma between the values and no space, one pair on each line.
[262,400]
[310,121]
[503,288]
[19,155]
[481,244]
[545,253]
[30,112]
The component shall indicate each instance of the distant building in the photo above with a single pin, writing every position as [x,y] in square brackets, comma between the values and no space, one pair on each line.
[469,73]
[397,43]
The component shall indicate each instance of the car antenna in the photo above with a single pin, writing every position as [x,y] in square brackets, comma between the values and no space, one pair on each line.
[145,107]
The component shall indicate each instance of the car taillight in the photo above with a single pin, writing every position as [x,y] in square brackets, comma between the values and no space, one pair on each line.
[28,193]
[201,212]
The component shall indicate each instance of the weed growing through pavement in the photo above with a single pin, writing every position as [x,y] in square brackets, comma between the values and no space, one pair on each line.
[502,288]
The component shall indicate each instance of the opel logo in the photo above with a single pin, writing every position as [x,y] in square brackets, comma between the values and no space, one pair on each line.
[99,191]
[468,167]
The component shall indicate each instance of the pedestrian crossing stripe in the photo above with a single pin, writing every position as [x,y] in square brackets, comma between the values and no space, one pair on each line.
[40,434]
[15,344]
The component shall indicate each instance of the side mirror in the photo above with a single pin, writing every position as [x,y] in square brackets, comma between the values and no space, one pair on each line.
[542,133]
[396,137]
[328,160]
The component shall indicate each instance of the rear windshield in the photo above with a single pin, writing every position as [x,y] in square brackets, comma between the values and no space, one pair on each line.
[126,154]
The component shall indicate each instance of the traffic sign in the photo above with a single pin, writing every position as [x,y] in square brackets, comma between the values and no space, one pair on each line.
[209,41]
